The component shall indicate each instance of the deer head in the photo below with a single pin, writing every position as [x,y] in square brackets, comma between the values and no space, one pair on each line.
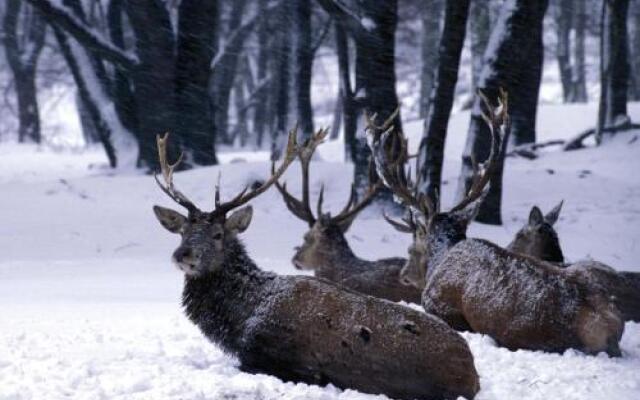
[435,231]
[538,238]
[325,239]
[204,234]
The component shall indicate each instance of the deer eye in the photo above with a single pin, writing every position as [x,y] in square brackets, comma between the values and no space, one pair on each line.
[217,236]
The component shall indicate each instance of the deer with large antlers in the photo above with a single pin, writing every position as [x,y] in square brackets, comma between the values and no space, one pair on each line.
[538,238]
[302,328]
[325,249]
[473,284]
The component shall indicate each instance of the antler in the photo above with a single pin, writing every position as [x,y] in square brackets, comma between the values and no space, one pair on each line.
[354,206]
[167,175]
[302,208]
[408,224]
[245,196]
[498,120]
[390,155]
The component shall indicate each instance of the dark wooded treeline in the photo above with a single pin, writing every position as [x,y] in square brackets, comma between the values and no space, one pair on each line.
[240,73]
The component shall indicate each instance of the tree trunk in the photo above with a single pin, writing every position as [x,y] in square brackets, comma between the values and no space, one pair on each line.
[225,72]
[89,129]
[431,151]
[304,66]
[259,115]
[513,57]
[375,79]
[28,115]
[579,80]
[634,22]
[479,32]
[614,79]
[283,60]
[431,17]
[153,78]
[525,91]
[349,107]
[123,97]
[563,16]
[23,45]
[91,106]
[197,23]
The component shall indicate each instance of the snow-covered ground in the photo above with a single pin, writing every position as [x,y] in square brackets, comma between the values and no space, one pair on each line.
[89,301]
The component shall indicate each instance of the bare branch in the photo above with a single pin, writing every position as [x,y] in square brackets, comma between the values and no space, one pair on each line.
[65,19]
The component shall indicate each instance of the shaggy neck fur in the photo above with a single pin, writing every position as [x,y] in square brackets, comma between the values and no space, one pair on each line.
[220,302]
[441,240]
[335,258]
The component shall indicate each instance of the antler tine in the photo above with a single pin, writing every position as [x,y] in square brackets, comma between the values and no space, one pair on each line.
[386,125]
[497,119]
[406,226]
[391,170]
[294,205]
[353,197]
[302,208]
[245,196]
[167,170]
[320,201]
[354,206]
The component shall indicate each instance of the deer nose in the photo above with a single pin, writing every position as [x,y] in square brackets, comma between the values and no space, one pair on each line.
[183,255]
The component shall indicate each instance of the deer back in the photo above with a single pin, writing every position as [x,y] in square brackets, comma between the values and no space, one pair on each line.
[521,302]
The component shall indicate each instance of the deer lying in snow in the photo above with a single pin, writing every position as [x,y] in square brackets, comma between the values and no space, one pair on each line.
[302,328]
[326,250]
[539,239]
[473,284]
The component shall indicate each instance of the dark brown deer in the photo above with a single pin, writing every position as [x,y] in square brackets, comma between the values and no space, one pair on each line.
[539,239]
[325,249]
[473,284]
[302,328]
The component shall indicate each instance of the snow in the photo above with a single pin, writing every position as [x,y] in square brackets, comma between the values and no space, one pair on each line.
[89,301]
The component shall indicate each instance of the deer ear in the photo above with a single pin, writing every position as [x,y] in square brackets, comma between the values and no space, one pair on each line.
[239,221]
[535,216]
[171,220]
[552,216]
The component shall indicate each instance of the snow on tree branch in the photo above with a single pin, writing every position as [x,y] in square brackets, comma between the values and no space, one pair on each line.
[348,18]
[61,16]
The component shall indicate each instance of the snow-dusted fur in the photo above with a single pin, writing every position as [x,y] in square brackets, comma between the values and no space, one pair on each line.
[326,251]
[521,302]
[539,239]
[309,330]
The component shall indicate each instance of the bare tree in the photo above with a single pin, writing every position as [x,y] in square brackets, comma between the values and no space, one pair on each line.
[303,49]
[479,32]
[614,65]
[169,66]
[372,27]
[431,152]
[432,12]
[24,34]
[579,74]
[513,62]
[634,24]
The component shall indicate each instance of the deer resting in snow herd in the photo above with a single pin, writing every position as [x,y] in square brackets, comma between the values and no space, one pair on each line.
[473,284]
[539,239]
[303,328]
[326,250]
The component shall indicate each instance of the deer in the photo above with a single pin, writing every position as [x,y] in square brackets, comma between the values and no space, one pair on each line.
[325,249]
[300,328]
[473,284]
[538,238]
